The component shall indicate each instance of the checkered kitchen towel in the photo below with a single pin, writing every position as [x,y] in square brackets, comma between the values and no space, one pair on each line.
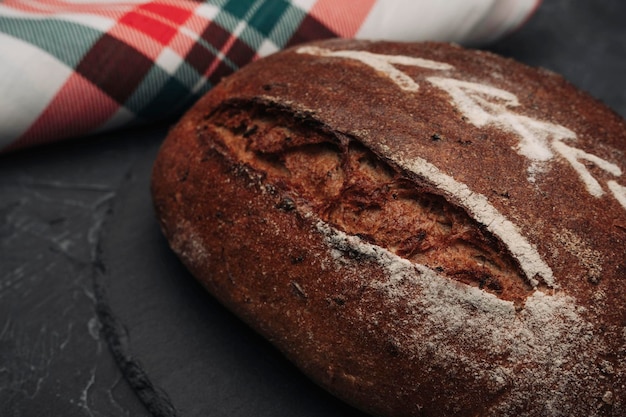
[75,67]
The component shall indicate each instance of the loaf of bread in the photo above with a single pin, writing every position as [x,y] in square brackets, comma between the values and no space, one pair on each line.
[424,230]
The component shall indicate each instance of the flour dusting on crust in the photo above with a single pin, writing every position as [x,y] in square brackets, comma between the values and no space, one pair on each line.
[482,211]
[382,63]
[543,353]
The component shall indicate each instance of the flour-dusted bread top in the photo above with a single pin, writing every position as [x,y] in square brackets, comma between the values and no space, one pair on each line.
[460,217]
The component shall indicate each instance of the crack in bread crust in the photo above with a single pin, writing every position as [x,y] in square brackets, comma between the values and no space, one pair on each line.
[351,188]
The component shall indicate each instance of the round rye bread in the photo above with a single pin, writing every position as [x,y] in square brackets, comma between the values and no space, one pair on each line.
[424,230]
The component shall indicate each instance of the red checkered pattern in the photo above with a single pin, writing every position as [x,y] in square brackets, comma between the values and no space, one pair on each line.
[70,69]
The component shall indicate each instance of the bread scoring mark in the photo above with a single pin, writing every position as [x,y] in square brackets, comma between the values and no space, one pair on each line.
[348,186]
[480,112]
[480,209]
[382,63]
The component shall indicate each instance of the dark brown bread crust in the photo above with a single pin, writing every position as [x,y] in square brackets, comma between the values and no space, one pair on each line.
[423,237]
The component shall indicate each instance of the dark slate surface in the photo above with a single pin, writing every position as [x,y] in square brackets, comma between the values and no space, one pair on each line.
[98,318]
